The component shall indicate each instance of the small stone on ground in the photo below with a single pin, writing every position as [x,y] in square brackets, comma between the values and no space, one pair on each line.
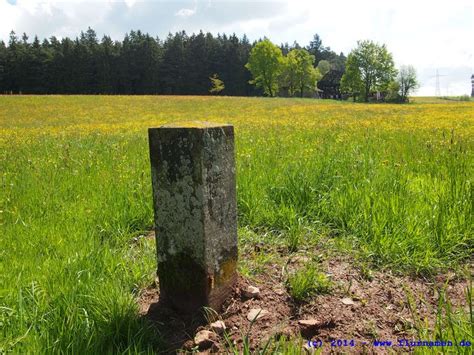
[256,313]
[300,259]
[308,327]
[347,301]
[204,339]
[218,326]
[251,292]
[308,322]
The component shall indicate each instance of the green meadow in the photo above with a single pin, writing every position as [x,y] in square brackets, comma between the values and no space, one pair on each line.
[392,184]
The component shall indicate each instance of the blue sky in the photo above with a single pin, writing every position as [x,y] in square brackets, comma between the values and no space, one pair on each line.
[429,34]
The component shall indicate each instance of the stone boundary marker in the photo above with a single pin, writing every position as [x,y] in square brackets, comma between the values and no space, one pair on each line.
[194,199]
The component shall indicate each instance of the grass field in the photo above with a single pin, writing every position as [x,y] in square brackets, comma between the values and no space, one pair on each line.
[393,183]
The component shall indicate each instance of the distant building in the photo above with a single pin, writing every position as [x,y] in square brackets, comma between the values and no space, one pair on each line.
[330,84]
[472,82]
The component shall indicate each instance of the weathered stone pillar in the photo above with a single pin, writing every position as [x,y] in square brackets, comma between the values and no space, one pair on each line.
[193,178]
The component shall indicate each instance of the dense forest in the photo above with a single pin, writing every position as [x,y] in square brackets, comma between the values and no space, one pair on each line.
[139,64]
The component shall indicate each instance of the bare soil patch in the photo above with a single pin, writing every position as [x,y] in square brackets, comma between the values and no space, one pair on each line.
[357,308]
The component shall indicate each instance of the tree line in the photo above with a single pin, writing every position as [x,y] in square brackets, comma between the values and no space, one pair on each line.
[369,71]
[141,64]
[199,64]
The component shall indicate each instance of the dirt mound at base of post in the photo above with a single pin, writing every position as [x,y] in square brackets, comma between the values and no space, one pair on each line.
[353,314]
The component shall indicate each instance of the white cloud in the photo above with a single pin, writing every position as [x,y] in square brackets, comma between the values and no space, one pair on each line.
[130,3]
[185,12]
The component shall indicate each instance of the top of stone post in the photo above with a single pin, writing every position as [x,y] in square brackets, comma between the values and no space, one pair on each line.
[194,124]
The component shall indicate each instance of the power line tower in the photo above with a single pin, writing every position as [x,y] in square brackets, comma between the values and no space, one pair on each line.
[438,87]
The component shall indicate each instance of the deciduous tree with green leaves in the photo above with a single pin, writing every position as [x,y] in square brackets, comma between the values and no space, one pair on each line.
[407,81]
[369,68]
[265,63]
[351,81]
[217,85]
[298,73]
[324,67]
